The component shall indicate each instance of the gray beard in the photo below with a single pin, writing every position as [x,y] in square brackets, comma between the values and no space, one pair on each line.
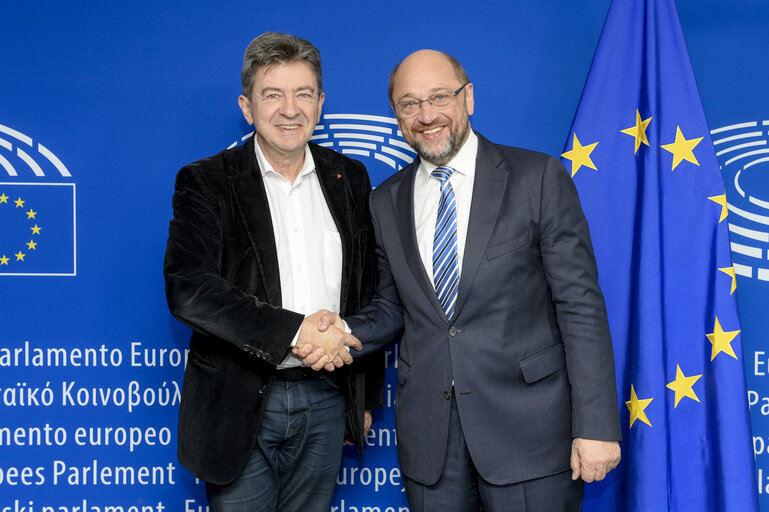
[449,151]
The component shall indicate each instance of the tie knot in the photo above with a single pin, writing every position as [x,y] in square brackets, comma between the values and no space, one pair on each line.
[442,173]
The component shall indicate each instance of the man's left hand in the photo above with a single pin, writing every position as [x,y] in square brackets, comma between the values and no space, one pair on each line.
[592,459]
[367,418]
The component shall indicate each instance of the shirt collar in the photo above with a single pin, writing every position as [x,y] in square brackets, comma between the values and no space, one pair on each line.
[463,162]
[265,168]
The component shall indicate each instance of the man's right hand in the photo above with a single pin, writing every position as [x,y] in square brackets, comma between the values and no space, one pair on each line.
[326,319]
[324,348]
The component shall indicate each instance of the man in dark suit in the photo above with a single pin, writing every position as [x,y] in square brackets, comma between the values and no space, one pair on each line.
[506,372]
[262,235]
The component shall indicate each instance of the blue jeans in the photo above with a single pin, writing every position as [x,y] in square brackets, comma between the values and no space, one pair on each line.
[296,460]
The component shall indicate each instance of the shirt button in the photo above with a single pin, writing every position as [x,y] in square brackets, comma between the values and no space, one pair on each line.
[447,395]
[453,331]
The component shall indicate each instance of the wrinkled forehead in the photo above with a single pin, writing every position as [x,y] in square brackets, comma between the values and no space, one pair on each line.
[424,74]
[292,75]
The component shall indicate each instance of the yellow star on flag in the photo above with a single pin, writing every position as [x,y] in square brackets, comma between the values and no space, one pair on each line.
[35,229]
[4,260]
[31,214]
[721,341]
[683,386]
[729,271]
[19,256]
[32,245]
[3,198]
[19,203]
[636,408]
[580,155]
[638,131]
[722,201]
[682,149]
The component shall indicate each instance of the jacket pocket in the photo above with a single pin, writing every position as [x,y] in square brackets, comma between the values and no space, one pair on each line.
[195,360]
[543,363]
[508,246]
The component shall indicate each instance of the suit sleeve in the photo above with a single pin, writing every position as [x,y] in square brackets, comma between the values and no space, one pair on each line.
[381,322]
[373,363]
[572,276]
[198,294]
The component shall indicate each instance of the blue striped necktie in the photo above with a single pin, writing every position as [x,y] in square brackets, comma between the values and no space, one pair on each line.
[445,263]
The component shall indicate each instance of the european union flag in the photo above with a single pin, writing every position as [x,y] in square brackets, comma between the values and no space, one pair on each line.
[37,229]
[641,156]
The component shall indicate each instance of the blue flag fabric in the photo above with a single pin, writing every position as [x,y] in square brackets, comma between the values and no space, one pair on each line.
[641,156]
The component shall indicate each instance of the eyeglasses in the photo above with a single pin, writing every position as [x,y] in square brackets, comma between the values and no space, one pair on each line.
[438,100]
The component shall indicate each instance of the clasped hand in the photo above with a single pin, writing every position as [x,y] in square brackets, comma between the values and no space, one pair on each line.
[322,341]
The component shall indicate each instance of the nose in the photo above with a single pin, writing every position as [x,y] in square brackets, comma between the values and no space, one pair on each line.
[288,106]
[427,112]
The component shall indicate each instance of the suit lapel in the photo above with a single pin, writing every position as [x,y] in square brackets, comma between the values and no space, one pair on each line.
[403,203]
[333,183]
[251,201]
[488,191]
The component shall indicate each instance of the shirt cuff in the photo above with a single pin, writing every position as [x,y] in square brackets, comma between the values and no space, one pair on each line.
[348,331]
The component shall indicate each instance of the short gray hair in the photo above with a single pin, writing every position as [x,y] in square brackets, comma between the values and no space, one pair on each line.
[273,48]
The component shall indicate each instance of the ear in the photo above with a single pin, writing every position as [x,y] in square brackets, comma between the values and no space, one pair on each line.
[245,107]
[321,99]
[469,100]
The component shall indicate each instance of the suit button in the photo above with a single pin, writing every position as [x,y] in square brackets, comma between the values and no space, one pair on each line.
[247,348]
[263,390]
[266,356]
[447,395]
[453,331]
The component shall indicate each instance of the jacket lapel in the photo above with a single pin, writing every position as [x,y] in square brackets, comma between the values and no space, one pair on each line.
[333,183]
[403,203]
[251,200]
[488,191]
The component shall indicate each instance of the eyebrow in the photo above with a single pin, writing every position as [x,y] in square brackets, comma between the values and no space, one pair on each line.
[432,91]
[298,89]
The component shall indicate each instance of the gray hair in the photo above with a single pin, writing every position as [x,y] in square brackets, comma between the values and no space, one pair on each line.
[273,48]
[459,71]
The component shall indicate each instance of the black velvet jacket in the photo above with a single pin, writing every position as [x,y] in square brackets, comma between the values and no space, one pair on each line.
[222,279]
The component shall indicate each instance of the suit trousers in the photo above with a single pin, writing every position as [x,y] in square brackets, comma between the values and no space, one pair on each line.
[295,462]
[461,489]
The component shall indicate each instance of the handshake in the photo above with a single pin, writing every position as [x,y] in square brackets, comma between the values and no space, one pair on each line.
[323,342]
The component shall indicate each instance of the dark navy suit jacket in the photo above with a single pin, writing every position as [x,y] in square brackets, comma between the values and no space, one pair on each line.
[528,350]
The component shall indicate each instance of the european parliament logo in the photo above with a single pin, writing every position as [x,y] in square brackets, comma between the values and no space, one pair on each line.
[743,152]
[37,209]
[374,140]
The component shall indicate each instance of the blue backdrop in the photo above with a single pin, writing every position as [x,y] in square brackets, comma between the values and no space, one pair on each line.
[101,104]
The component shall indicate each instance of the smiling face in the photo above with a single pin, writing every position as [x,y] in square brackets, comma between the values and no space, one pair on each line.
[435,134]
[284,107]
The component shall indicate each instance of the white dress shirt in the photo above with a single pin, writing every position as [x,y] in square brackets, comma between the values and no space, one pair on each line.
[307,239]
[427,194]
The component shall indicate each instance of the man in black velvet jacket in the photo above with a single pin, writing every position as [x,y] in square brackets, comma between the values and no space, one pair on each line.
[262,235]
